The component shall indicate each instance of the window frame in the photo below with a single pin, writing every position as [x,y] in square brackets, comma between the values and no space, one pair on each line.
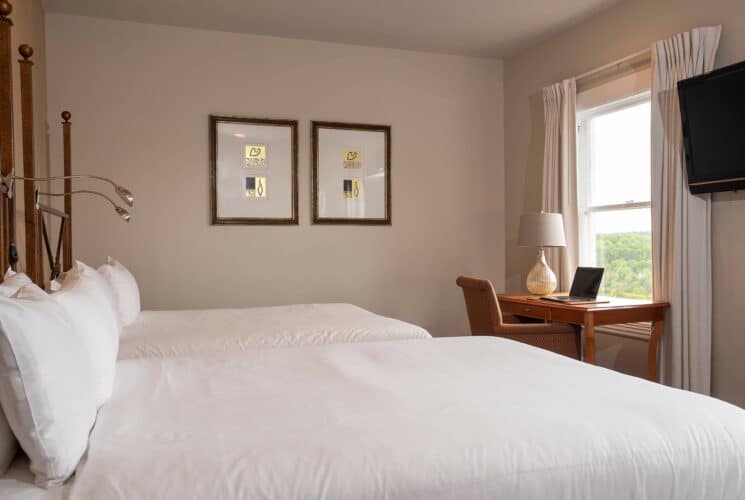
[584,172]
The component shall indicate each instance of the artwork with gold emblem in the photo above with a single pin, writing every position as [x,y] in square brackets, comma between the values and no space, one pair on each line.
[247,156]
[352,158]
[255,155]
[351,166]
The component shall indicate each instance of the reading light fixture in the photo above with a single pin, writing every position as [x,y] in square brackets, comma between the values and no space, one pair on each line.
[121,212]
[123,193]
[7,184]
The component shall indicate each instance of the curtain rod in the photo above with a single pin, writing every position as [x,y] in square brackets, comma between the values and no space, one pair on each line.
[588,75]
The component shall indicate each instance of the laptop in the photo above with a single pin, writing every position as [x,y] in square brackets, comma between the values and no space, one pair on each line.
[585,286]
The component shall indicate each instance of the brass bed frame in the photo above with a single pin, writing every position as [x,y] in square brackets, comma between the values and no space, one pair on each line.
[35,227]
[36,242]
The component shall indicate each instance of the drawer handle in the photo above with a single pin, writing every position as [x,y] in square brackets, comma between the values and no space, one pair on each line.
[527,309]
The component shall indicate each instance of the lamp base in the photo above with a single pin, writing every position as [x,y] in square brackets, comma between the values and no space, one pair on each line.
[541,279]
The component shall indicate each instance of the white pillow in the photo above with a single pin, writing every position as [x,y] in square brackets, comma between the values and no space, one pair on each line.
[12,282]
[124,287]
[85,296]
[8,446]
[46,384]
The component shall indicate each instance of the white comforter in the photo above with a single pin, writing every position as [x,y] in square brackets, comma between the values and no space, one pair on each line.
[178,333]
[18,484]
[458,418]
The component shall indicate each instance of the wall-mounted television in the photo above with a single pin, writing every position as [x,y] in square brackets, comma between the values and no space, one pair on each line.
[712,108]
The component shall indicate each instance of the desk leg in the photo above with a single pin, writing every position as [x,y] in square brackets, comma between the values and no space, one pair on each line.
[590,338]
[654,343]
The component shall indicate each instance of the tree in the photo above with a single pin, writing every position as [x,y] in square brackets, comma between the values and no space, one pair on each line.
[627,259]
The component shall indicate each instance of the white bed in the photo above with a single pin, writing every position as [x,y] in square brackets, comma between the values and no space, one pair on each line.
[179,333]
[18,484]
[464,418]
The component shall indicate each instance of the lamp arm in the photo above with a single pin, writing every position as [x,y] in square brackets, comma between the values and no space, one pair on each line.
[123,193]
[53,211]
[82,191]
[62,177]
[119,210]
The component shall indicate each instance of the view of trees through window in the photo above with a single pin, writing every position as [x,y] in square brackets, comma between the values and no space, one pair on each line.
[627,259]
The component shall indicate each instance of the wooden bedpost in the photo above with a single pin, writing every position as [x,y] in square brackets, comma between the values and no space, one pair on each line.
[6,132]
[32,216]
[67,234]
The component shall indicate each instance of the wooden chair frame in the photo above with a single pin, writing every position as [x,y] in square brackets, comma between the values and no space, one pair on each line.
[485,318]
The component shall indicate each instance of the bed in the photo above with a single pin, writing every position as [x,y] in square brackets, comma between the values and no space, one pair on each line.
[190,332]
[465,418]
[18,484]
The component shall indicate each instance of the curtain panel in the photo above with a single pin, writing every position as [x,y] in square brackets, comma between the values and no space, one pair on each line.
[560,174]
[681,222]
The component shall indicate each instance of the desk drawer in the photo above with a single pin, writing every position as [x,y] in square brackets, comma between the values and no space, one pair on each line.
[529,310]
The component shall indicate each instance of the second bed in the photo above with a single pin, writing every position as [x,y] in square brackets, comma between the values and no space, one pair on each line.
[163,334]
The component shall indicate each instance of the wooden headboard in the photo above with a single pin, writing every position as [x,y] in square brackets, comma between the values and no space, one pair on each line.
[34,224]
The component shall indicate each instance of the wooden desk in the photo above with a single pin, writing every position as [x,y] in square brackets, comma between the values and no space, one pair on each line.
[614,312]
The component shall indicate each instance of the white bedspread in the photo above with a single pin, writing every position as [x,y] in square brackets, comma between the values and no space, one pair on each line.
[18,484]
[178,333]
[457,418]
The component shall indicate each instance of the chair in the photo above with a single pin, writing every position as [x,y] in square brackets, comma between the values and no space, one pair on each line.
[486,318]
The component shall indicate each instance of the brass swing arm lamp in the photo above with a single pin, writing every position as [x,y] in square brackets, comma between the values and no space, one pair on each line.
[121,212]
[123,193]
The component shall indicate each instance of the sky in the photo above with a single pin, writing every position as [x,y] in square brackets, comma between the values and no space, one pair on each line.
[620,158]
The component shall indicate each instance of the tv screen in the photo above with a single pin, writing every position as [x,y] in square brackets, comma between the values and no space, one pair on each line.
[712,109]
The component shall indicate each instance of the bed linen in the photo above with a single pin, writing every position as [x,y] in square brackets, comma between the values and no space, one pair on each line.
[180,333]
[47,383]
[18,484]
[125,293]
[465,418]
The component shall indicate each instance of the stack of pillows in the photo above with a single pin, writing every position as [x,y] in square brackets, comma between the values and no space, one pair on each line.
[58,362]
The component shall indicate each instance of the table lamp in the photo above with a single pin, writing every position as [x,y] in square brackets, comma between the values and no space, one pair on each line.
[541,230]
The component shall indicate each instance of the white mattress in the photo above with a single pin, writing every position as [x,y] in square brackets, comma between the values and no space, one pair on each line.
[457,418]
[178,333]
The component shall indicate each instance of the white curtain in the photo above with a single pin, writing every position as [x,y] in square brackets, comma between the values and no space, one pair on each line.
[560,174]
[681,222]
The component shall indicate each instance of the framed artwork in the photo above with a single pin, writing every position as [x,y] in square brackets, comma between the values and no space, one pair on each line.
[253,170]
[351,166]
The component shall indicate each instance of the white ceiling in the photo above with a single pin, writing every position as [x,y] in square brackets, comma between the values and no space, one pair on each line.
[490,28]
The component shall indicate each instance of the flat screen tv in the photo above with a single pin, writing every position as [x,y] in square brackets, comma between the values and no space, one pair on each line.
[712,108]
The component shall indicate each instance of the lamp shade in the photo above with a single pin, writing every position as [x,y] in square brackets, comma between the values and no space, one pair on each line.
[541,230]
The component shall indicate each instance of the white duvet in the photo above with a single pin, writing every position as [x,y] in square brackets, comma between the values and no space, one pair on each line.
[18,484]
[456,418]
[178,333]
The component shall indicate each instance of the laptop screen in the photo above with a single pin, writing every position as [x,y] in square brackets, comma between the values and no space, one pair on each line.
[586,282]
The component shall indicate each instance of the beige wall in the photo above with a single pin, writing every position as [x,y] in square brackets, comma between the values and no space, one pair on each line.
[622,30]
[140,95]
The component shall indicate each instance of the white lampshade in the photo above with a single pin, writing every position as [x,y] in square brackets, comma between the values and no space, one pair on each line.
[541,230]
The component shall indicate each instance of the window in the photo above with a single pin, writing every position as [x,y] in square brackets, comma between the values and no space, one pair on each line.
[614,189]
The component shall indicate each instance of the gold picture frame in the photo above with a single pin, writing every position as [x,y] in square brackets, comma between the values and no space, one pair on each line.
[351,173]
[253,171]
